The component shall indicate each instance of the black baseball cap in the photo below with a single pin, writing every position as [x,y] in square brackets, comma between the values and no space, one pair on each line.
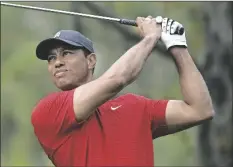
[70,37]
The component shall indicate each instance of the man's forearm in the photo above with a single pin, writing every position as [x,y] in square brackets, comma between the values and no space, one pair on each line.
[131,63]
[193,86]
[91,95]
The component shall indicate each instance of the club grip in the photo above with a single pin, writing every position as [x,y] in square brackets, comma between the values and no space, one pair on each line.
[179,30]
[128,22]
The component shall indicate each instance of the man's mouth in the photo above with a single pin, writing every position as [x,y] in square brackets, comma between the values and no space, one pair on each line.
[60,73]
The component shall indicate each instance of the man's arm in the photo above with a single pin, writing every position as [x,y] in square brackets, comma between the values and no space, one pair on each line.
[197,105]
[124,71]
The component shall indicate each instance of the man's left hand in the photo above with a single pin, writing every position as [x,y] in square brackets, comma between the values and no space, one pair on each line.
[169,37]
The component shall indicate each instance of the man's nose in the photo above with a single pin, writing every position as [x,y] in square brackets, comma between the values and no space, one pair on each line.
[59,62]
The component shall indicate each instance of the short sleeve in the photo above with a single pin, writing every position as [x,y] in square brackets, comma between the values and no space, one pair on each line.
[156,112]
[53,118]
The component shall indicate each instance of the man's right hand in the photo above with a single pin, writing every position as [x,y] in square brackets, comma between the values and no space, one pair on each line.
[149,27]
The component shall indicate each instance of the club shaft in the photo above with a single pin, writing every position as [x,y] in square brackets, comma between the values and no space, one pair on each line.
[61,11]
[121,21]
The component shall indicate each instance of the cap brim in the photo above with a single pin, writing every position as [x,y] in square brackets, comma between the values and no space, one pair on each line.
[46,45]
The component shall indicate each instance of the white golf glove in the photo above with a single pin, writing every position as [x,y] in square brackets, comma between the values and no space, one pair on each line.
[169,37]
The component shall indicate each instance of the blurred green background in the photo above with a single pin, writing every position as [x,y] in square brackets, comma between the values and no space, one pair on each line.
[24,79]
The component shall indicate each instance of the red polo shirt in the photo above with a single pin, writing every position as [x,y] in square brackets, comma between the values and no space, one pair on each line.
[119,133]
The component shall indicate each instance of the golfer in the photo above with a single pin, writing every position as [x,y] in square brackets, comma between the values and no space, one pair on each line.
[84,124]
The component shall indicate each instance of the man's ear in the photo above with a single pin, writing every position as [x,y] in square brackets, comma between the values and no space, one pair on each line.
[91,60]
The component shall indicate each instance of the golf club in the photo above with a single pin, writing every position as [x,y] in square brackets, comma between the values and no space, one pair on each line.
[179,30]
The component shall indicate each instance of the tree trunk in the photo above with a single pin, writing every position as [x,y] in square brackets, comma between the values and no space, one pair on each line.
[215,137]
[76,7]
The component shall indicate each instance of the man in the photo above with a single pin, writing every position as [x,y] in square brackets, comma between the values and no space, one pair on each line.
[83,125]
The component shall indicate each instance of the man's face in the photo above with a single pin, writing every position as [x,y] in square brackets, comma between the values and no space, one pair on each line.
[69,67]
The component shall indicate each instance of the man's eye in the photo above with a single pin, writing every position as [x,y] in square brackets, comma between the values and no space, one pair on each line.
[67,52]
[51,58]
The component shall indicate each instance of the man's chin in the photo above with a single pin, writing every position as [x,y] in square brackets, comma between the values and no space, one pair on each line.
[65,86]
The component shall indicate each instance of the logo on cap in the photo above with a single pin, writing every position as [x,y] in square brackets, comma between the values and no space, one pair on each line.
[57,35]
